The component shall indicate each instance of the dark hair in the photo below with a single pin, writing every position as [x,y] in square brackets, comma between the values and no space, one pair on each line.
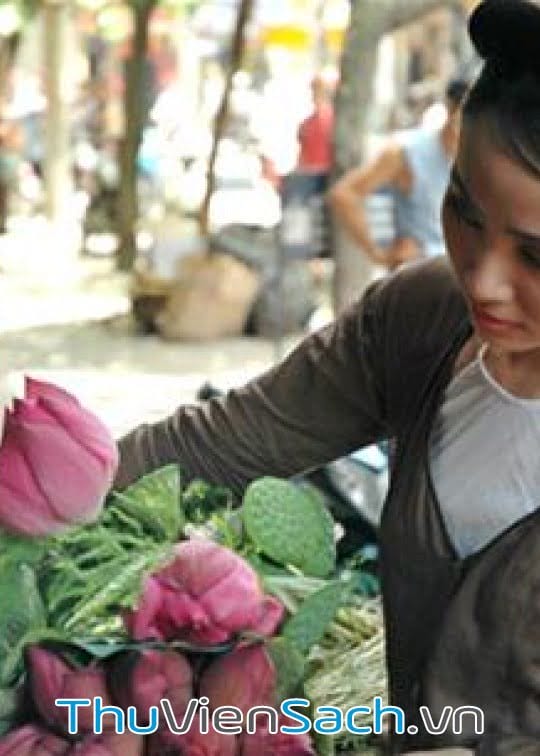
[456,89]
[506,35]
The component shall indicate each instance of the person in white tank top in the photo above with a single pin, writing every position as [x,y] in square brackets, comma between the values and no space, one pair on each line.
[415,166]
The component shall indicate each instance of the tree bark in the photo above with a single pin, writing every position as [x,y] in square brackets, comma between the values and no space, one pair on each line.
[402,12]
[8,51]
[237,54]
[9,47]
[353,98]
[57,167]
[134,114]
[369,21]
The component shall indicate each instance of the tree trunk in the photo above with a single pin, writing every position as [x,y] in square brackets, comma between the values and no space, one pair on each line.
[369,21]
[57,167]
[8,50]
[9,47]
[353,99]
[402,12]
[320,51]
[134,116]
[237,54]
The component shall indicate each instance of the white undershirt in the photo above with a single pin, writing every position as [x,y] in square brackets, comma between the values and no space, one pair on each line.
[483,456]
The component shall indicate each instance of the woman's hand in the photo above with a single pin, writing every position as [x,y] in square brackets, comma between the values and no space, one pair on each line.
[401,251]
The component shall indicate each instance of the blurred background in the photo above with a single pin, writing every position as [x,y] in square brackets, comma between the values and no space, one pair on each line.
[163,214]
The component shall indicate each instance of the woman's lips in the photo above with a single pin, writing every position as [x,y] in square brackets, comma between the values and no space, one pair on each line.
[489,322]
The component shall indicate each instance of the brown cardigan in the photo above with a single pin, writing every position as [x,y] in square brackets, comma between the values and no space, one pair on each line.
[459,632]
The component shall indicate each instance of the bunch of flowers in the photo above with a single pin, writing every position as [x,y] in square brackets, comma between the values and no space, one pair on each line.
[142,678]
[156,595]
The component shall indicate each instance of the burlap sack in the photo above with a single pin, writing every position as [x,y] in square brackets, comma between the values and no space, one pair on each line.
[211,297]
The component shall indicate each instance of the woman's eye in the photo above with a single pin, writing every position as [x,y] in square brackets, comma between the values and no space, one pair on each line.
[463,211]
[530,255]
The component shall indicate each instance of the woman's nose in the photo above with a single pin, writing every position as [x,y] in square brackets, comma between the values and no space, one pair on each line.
[490,276]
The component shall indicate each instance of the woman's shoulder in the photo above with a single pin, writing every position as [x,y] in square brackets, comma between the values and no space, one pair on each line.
[411,321]
[426,279]
[420,302]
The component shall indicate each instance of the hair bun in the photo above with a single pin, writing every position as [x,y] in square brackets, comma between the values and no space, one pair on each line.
[507,32]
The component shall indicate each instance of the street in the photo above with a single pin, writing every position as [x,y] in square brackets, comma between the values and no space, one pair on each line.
[73,328]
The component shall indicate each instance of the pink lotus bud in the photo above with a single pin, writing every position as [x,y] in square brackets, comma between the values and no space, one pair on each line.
[143,679]
[192,743]
[264,743]
[271,616]
[125,744]
[32,740]
[52,678]
[243,678]
[57,462]
[206,595]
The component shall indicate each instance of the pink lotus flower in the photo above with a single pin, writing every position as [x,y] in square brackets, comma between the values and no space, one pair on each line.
[32,740]
[126,744]
[206,595]
[243,678]
[143,679]
[52,678]
[57,462]
[192,743]
[264,743]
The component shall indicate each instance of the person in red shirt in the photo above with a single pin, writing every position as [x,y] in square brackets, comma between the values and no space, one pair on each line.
[316,131]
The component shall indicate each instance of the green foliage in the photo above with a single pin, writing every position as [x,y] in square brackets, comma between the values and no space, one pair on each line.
[18,550]
[348,667]
[27,9]
[92,574]
[228,529]
[308,626]
[290,525]
[22,616]
[72,588]
[103,648]
[150,507]
[368,584]
[184,6]
[266,568]
[23,12]
[290,666]
[201,499]
[324,745]
[8,708]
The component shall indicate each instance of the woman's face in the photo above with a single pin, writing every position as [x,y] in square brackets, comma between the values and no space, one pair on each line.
[491,220]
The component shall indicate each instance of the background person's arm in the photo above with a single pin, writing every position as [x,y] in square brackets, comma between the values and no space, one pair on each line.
[347,194]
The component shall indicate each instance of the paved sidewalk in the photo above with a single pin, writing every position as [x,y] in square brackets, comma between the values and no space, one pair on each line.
[73,327]
[127,379]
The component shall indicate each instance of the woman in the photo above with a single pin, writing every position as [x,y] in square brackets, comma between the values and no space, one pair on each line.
[445,359]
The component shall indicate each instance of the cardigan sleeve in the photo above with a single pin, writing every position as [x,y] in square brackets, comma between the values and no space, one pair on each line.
[323,401]
[346,386]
